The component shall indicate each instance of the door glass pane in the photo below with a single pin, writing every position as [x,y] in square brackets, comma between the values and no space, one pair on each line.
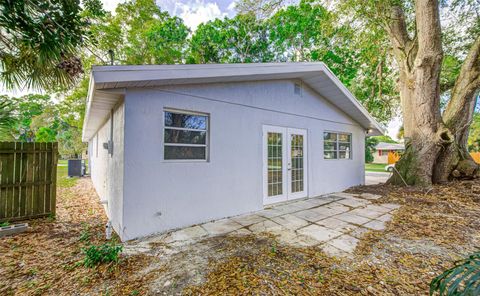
[275,163]
[297,162]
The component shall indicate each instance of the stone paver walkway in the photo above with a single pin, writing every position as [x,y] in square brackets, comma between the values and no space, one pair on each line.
[333,222]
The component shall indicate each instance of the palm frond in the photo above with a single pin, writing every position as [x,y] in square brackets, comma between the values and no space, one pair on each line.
[462,279]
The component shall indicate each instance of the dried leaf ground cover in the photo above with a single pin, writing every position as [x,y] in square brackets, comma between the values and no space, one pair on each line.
[432,229]
[46,259]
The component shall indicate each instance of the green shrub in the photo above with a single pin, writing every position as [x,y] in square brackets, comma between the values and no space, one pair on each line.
[105,253]
[462,279]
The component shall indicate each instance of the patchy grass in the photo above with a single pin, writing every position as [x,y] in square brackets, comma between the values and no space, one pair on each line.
[63,180]
[375,167]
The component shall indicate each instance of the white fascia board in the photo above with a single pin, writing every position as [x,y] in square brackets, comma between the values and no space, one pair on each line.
[85,137]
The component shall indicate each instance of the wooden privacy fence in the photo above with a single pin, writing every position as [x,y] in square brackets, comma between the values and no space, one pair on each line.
[28,173]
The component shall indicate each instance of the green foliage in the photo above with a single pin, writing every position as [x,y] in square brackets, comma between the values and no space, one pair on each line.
[242,39]
[104,253]
[141,33]
[370,143]
[3,224]
[6,118]
[462,279]
[385,139]
[35,117]
[304,32]
[40,41]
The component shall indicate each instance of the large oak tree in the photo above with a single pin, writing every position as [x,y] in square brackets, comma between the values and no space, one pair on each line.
[435,133]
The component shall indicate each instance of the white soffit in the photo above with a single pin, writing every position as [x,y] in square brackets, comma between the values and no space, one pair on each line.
[107,84]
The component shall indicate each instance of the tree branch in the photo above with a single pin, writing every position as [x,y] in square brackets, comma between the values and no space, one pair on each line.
[465,91]
[430,52]
[404,47]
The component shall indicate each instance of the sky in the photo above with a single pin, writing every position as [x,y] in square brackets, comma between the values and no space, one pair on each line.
[193,12]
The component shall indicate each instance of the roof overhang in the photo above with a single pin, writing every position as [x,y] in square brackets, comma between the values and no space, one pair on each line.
[108,84]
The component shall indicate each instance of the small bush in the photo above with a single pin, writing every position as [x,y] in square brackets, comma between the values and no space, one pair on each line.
[462,279]
[105,253]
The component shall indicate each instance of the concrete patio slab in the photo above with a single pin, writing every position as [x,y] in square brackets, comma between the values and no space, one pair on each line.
[367,213]
[221,226]
[359,232]
[310,215]
[345,243]
[334,252]
[189,233]
[375,225]
[320,233]
[354,202]
[270,213]
[290,221]
[337,224]
[318,201]
[338,206]
[385,218]
[249,219]
[334,223]
[352,218]
[265,226]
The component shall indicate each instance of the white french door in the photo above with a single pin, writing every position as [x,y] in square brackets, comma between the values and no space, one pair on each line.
[284,164]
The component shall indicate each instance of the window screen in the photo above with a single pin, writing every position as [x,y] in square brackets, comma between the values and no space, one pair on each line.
[185,136]
[337,145]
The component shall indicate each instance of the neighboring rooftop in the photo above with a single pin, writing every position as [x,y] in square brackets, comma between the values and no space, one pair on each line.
[389,146]
[108,84]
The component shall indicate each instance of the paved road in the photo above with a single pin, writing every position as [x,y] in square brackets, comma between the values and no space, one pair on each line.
[372,178]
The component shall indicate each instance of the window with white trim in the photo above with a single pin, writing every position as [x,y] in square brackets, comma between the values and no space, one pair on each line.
[185,135]
[337,145]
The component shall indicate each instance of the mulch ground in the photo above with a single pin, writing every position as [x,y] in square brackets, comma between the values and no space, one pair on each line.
[47,259]
[431,230]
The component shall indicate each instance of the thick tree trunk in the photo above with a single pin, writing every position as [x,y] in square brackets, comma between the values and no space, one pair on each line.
[420,62]
[436,145]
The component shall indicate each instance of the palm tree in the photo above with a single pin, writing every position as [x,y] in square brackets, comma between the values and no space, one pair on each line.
[39,43]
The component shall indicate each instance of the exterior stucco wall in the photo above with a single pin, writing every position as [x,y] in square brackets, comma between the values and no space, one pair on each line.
[107,170]
[160,195]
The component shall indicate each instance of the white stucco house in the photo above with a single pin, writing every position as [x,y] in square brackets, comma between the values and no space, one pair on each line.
[176,145]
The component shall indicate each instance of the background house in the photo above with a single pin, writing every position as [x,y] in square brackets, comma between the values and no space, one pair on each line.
[171,146]
[382,150]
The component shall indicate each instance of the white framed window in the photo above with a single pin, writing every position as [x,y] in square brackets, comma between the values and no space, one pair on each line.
[337,145]
[185,135]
